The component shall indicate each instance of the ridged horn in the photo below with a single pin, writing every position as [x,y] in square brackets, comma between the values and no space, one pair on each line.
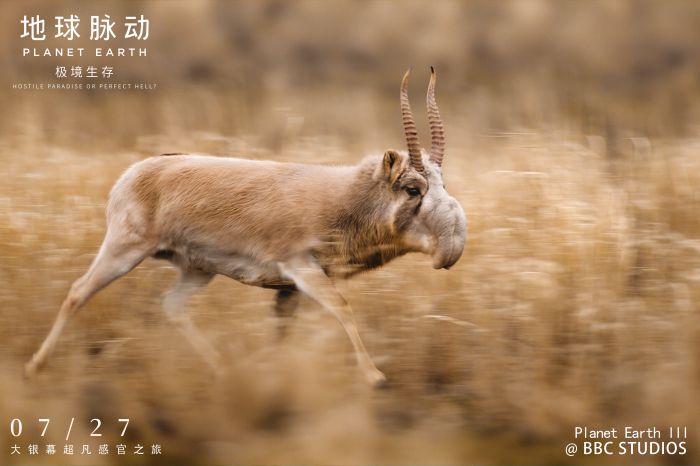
[437,132]
[409,126]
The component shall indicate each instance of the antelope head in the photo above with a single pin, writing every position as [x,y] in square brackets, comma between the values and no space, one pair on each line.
[422,214]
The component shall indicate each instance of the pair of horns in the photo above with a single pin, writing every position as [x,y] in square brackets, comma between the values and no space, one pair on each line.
[437,132]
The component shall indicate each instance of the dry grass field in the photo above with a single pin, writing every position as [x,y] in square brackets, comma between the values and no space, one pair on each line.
[575,303]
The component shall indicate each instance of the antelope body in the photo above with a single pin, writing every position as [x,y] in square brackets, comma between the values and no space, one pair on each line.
[287,226]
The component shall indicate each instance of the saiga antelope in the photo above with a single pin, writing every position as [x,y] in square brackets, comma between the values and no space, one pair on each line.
[286,226]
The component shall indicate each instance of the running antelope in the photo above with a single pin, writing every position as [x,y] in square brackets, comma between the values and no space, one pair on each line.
[286,226]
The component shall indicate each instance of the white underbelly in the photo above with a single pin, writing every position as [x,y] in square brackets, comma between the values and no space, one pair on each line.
[242,268]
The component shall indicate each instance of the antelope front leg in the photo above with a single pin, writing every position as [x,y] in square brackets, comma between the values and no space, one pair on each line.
[310,278]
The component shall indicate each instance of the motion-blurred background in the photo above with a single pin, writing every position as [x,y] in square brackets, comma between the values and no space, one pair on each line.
[573,144]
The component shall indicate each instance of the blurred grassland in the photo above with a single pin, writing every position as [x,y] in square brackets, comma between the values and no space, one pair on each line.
[572,144]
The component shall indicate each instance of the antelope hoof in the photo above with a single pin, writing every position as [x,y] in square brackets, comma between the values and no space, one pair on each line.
[31,369]
[377,379]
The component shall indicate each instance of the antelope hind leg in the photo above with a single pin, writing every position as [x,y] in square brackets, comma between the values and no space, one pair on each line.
[174,304]
[115,258]
[310,278]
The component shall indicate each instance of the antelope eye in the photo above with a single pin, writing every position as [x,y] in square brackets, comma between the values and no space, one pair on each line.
[413,192]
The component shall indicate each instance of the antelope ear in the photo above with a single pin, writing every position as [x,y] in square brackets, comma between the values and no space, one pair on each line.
[392,165]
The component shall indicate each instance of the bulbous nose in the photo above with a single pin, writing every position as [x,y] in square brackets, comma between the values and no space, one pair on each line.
[451,235]
[448,256]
